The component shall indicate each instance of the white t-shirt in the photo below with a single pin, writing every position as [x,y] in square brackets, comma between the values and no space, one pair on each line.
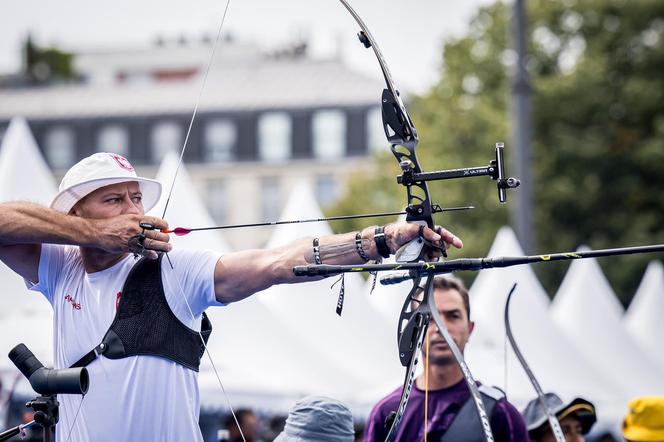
[139,398]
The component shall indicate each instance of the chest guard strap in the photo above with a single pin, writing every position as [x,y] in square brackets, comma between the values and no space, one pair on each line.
[466,424]
[144,323]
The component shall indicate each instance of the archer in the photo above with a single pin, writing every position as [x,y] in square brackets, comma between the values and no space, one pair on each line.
[139,325]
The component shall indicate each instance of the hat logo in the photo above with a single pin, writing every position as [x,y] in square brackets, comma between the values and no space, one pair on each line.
[122,162]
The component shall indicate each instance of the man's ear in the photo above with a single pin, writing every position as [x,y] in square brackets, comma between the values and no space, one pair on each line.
[75,211]
[471,327]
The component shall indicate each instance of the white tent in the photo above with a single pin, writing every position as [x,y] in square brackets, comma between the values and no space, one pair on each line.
[588,312]
[554,359]
[186,208]
[643,319]
[25,316]
[24,174]
[259,358]
[388,299]
[261,361]
[360,341]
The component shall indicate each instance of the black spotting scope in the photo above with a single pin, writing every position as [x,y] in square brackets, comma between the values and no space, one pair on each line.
[48,381]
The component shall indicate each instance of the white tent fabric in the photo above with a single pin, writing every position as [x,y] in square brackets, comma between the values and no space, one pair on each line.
[554,359]
[360,341]
[25,316]
[259,356]
[588,312]
[35,330]
[186,208]
[388,299]
[24,173]
[286,341]
[643,320]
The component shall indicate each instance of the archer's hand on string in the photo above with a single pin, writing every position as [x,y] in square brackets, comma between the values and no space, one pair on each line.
[138,234]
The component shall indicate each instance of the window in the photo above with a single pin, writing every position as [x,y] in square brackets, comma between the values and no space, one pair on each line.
[329,134]
[271,205]
[113,138]
[376,140]
[219,140]
[217,200]
[165,136]
[327,190]
[60,146]
[274,136]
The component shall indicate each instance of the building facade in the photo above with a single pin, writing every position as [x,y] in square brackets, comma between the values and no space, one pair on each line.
[264,121]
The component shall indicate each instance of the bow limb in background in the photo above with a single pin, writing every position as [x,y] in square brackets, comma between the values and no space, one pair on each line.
[551,417]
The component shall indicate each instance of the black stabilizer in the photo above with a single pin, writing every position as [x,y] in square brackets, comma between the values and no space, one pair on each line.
[396,278]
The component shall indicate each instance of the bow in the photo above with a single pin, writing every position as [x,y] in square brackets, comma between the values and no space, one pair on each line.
[551,417]
[402,136]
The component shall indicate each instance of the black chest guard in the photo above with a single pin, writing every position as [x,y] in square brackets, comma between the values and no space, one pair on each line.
[466,424]
[144,323]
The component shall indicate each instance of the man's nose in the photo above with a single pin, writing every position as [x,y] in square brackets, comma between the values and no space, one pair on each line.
[577,437]
[129,207]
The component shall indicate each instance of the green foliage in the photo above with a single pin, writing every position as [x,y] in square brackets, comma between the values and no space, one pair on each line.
[598,124]
[47,65]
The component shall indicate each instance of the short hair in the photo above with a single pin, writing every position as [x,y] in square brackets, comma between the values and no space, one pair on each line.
[447,282]
[240,413]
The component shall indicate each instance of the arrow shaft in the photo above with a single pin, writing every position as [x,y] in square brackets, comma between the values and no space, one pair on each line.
[312,220]
[470,264]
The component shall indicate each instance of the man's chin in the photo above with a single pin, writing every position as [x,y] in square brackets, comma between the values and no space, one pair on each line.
[442,360]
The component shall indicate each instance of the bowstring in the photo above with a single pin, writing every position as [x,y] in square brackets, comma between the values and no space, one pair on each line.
[170,193]
[71,428]
[505,350]
[198,101]
[426,389]
[209,355]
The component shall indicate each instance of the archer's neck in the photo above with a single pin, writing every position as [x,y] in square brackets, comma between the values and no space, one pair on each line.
[96,260]
[440,376]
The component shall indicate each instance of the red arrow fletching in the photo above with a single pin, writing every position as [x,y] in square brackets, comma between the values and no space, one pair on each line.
[179,231]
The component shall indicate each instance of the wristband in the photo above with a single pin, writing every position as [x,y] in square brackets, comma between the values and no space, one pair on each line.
[317,252]
[381,243]
[358,246]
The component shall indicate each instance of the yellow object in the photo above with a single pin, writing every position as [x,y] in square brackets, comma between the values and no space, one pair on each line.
[645,420]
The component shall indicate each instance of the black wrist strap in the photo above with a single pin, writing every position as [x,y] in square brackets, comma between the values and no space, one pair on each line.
[381,242]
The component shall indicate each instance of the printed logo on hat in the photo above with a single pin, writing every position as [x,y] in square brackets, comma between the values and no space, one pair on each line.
[122,162]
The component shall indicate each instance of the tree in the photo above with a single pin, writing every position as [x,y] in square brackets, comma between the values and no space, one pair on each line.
[47,65]
[598,122]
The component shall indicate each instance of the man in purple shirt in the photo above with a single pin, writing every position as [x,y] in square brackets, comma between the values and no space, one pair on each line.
[451,415]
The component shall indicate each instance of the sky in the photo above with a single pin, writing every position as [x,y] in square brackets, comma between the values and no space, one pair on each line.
[409,32]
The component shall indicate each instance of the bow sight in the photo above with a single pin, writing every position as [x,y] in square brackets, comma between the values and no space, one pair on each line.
[495,170]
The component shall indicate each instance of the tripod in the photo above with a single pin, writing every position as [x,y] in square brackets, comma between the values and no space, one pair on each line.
[47,414]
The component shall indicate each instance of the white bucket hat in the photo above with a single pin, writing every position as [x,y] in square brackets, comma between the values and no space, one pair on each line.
[99,170]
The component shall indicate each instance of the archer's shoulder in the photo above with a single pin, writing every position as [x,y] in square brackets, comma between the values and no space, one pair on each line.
[492,392]
[507,421]
[389,402]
